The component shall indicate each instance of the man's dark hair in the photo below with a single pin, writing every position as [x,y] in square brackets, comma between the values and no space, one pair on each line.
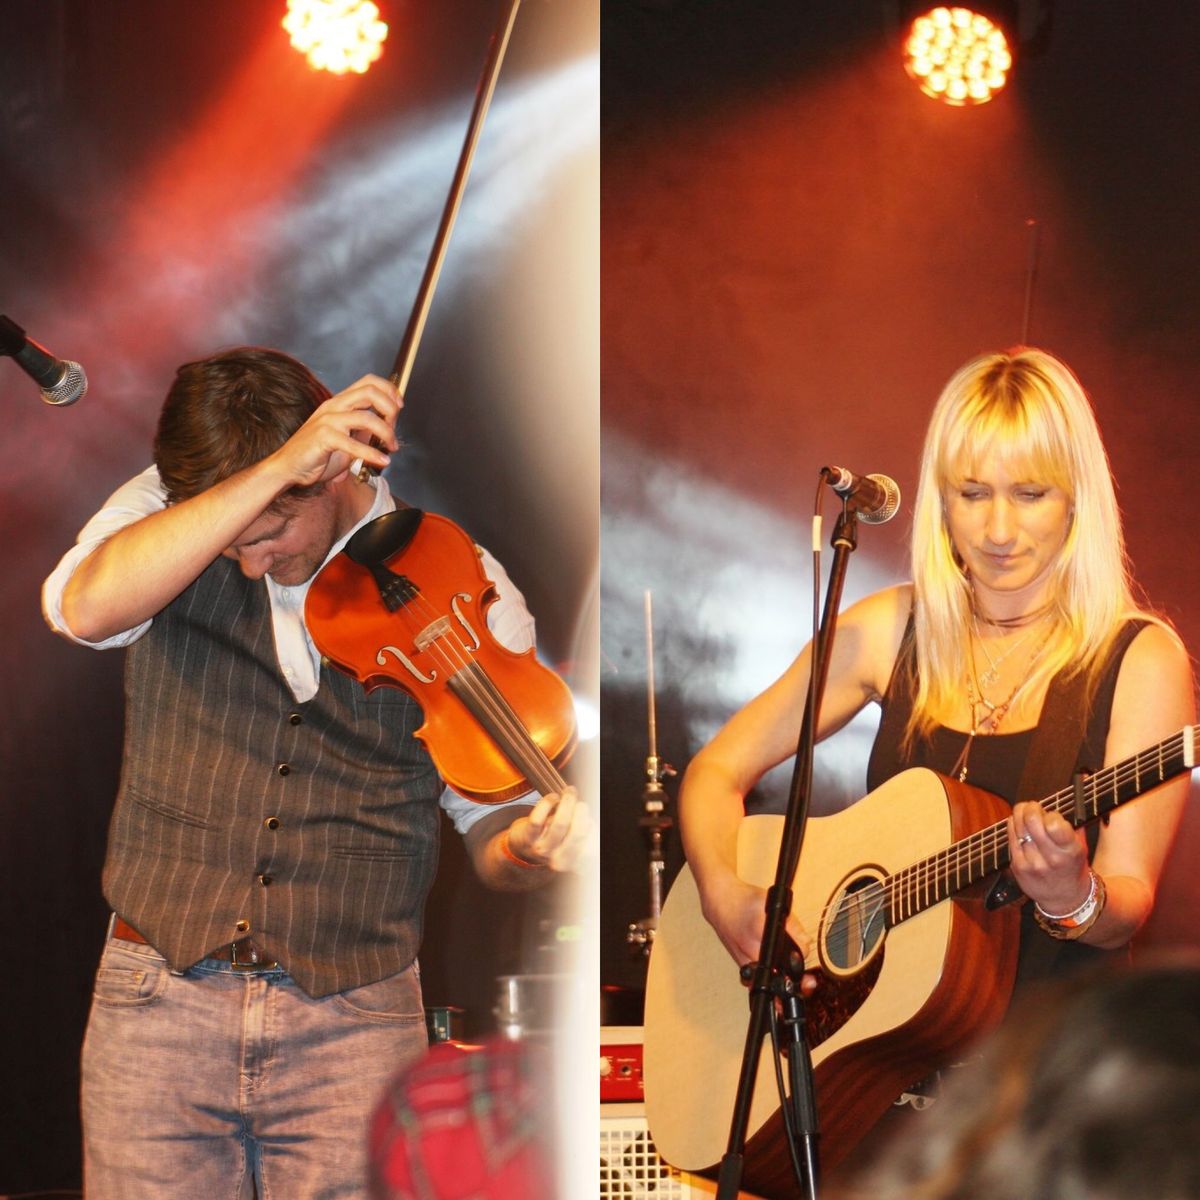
[227,412]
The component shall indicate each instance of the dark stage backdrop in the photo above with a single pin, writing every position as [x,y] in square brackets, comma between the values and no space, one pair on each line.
[798,250]
[173,180]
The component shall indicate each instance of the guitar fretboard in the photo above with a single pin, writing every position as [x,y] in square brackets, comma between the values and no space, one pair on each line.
[916,888]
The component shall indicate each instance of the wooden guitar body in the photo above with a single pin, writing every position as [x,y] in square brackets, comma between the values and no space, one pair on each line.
[930,985]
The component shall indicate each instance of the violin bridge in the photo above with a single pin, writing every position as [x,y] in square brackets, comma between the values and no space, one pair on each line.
[431,633]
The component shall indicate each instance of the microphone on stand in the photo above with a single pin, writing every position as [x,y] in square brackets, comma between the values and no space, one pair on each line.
[875,498]
[62,382]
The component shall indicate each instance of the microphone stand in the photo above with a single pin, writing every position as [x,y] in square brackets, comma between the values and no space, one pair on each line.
[775,977]
[654,820]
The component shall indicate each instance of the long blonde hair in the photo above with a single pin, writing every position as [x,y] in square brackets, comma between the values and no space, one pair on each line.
[1027,407]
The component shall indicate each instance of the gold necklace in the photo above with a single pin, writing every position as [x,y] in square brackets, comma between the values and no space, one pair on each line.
[995,712]
[994,664]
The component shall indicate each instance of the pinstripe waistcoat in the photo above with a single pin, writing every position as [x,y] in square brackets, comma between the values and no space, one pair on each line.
[316,824]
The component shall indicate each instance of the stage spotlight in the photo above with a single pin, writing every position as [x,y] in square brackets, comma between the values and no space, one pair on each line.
[960,55]
[336,35]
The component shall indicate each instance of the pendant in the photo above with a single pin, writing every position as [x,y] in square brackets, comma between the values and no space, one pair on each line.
[960,768]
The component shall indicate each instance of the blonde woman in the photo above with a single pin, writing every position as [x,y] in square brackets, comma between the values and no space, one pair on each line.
[1021,607]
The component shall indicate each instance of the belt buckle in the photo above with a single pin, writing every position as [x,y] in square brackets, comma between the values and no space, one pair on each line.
[254,963]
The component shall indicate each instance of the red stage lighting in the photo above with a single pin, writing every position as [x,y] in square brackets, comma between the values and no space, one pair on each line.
[336,35]
[958,55]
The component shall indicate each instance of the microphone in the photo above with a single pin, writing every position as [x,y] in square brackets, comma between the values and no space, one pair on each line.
[62,382]
[875,498]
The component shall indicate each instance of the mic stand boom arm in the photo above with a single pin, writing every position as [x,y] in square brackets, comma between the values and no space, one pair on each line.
[771,978]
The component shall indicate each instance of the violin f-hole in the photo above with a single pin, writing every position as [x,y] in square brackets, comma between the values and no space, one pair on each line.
[409,665]
[455,607]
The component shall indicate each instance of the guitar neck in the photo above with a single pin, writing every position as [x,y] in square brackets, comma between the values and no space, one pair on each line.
[1090,797]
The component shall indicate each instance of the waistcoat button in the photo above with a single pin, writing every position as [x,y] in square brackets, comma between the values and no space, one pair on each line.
[284,769]
[272,822]
[265,880]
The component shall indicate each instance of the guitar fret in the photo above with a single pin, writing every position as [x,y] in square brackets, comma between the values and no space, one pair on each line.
[915,888]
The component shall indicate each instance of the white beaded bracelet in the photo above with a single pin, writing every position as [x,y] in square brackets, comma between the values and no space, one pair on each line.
[1075,924]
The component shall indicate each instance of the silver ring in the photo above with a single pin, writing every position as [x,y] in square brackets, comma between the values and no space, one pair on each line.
[1024,839]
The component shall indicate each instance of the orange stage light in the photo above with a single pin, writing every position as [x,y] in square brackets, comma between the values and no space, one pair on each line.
[336,35]
[957,55]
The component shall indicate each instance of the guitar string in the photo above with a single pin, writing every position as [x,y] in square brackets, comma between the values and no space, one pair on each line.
[937,870]
[934,872]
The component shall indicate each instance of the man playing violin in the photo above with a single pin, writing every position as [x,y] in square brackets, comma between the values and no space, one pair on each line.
[276,830]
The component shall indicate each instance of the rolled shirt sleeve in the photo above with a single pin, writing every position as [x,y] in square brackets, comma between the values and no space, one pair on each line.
[132,501]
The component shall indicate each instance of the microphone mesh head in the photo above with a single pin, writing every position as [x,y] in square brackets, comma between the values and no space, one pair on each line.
[71,387]
[890,507]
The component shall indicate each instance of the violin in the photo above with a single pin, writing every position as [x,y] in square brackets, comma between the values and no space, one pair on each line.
[405,605]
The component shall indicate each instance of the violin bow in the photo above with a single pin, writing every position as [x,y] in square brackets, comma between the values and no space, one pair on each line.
[405,356]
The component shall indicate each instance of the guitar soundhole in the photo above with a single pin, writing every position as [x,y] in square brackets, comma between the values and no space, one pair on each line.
[854,923]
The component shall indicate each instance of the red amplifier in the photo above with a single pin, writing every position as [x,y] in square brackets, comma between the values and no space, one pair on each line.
[621,1063]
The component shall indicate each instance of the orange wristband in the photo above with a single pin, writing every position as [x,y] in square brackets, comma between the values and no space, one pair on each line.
[508,852]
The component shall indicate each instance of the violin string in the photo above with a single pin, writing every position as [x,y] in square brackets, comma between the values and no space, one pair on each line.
[457,660]
[537,766]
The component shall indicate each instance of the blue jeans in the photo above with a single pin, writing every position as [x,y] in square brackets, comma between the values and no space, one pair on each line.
[212,1082]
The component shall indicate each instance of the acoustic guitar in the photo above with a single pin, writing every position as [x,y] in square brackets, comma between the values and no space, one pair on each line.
[914,964]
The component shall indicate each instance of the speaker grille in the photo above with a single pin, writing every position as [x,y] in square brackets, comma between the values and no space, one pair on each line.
[630,1168]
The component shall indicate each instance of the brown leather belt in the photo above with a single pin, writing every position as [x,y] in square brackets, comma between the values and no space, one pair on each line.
[243,954]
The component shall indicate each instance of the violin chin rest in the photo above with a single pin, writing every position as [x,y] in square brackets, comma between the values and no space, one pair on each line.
[379,539]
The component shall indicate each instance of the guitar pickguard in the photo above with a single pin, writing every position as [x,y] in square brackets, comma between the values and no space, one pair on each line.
[838,998]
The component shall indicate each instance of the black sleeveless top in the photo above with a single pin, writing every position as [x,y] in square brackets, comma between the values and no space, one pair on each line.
[1028,765]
